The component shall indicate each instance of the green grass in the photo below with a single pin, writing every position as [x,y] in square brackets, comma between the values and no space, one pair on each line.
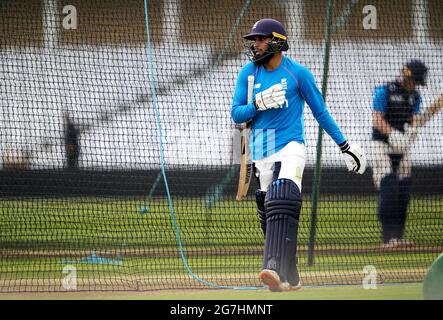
[101,223]
[38,237]
[381,292]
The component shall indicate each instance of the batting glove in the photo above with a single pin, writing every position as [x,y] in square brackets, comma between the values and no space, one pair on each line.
[354,157]
[399,142]
[271,98]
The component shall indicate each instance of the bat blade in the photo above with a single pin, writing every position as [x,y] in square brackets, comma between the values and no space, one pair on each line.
[245,166]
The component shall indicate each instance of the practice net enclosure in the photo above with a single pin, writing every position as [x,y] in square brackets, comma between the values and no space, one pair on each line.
[119,159]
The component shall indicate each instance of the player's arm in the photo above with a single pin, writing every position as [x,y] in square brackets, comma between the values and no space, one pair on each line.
[241,111]
[353,155]
[420,119]
[434,108]
[379,122]
[314,98]
[399,141]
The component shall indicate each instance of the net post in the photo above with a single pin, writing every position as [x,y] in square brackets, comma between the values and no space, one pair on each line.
[317,173]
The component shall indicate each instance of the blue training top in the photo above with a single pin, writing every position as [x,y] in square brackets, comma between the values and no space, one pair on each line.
[274,128]
[398,106]
[381,99]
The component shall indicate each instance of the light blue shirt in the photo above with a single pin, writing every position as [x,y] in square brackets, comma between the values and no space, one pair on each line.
[380,100]
[273,129]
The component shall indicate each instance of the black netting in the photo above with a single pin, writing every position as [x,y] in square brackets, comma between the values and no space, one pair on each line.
[87,208]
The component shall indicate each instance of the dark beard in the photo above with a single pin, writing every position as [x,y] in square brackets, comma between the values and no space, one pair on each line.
[264,59]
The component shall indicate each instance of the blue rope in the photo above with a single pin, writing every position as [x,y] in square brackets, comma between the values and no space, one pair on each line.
[162,161]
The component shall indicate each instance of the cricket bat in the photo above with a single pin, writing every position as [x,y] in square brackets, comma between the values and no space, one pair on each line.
[245,153]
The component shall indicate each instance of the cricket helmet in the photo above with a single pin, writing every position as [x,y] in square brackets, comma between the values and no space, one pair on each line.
[267,28]
[416,70]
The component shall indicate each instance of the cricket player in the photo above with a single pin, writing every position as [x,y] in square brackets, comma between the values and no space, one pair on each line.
[277,144]
[396,106]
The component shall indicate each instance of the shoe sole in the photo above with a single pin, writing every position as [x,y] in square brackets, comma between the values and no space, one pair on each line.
[271,280]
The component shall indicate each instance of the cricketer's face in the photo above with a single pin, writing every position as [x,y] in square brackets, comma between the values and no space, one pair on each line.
[410,84]
[261,45]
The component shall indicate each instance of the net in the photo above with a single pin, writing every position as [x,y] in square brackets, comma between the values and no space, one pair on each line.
[83,201]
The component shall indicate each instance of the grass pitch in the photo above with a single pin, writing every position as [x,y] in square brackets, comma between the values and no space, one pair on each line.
[222,244]
[381,292]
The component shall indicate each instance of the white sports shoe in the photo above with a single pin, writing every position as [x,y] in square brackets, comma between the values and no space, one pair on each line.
[393,243]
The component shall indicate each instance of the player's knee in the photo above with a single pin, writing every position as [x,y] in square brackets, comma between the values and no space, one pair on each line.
[283,197]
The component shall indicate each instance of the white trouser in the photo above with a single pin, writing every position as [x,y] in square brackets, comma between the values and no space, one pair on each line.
[292,158]
[381,163]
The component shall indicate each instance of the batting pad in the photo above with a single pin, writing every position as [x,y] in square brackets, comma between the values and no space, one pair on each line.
[388,206]
[283,205]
